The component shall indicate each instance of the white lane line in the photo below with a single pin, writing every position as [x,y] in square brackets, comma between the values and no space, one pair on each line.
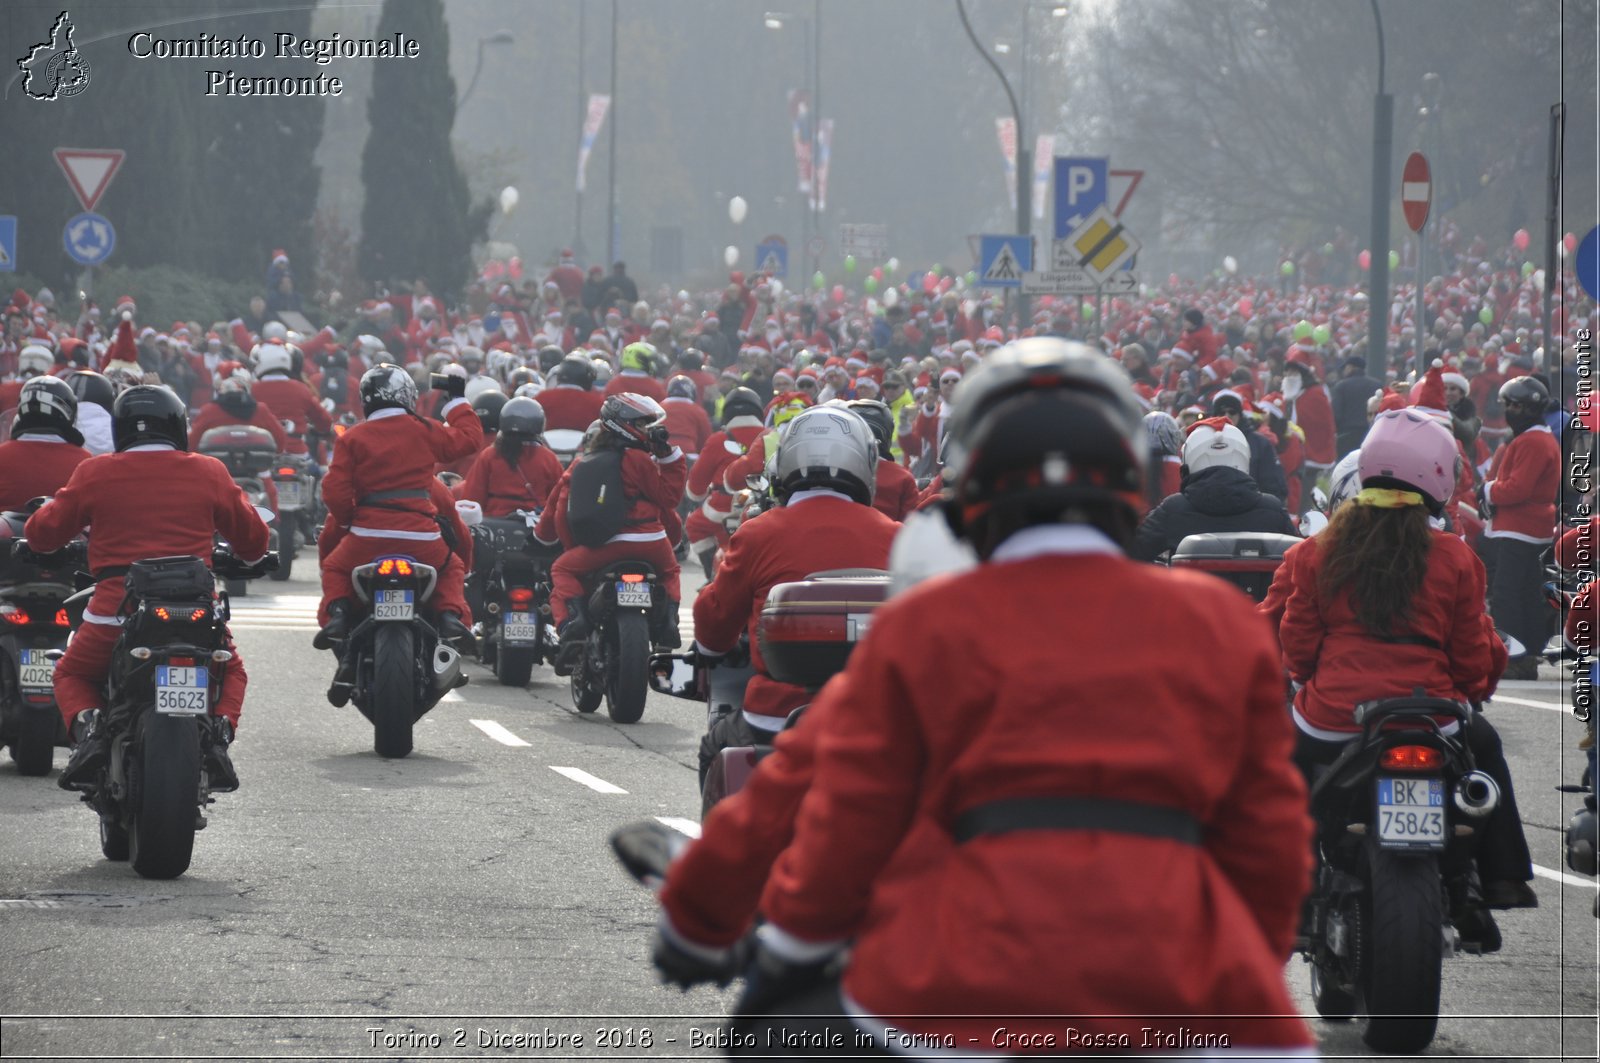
[1565,879]
[1524,701]
[498,733]
[682,826]
[593,783]
[451,695]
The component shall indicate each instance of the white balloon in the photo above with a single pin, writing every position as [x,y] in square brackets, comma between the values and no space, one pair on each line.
[893,266]
[508,199]
[777,287]
[737,208]
[1538,279]
[1230,264]
[891,297]
[730,255]
[872,305]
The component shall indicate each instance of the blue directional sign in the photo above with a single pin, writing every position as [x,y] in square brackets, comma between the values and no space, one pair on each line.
[1588,264]
[1002,260]
[8,243]
[1081,185]
[772,256]
[89,239]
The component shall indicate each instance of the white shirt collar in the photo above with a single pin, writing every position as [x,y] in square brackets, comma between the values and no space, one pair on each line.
[150,446]
[40,437]
[817,492]
[1042,540]
[387,411]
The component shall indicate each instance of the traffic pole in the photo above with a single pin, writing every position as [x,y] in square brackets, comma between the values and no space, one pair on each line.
[1378,265]
[1558,122]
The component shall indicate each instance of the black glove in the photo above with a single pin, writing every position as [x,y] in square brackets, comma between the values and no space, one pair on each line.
[684,965]
[1485,510]
[451,384]
[770,980]
[660,445]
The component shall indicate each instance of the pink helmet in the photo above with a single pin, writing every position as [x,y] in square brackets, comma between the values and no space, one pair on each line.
[1410,449]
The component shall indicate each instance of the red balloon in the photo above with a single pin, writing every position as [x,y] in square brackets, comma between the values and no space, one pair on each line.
[930,283]
[1520,239]
[1570,242]
[516,268]
[877,273]
[1364,259]
[945,284]
[1245,306]
[838,293]
[494,269]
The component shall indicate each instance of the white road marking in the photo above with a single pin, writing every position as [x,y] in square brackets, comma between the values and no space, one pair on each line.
[682,826]
[1566,879]
[1524,701]
[593,783]
[274,612]
[451,695]
[498,733]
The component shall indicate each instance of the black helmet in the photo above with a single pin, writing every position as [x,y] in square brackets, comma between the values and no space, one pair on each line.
[878,418]
[489,406]
[90,386]
[549,357]
[387,386]
[1043,427]
[576,371]
[742,402]
[523,417]
[519,376]
[631,416]
[681,387]
[149,413]
[1528,392]
[692,358]
[47,405]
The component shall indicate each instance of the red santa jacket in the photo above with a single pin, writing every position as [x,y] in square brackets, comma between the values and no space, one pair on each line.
[568,407]
[1314,414]
[1343,664]
[36,464]
[214,415]
[688,427]
[1523,480]
[393,450]
[942,708]
[292,400]
[636,382]
[896,493]
[1484,389]
[140,504]
[705,480]
[10,394]
[653,486]
[502,488]
[815,531]
[1171,475]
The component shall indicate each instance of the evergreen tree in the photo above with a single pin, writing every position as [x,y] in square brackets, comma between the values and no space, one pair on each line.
[417,220]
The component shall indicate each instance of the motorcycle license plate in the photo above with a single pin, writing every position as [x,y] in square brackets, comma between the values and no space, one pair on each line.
[394,605]
[1411,813]
[38,671]
[291,493]
[520,627]
[182,691]
[633,594]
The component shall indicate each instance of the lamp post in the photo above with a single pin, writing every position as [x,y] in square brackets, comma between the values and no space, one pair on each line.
[776,20]
[613,244]
[1378,266]
[498,37]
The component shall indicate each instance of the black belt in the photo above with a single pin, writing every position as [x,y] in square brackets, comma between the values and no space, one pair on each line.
[391,496]
[1076,813]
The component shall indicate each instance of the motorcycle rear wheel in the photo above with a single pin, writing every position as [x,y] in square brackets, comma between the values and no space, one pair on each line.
[394,690]
[628,678]
[286,555]
[1405,951]
[167,797]
[513,666]
[35,745]
[1332,1003]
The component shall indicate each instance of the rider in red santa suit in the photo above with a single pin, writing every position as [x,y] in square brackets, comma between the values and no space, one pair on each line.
[111,495]
[288,397]
[958,732]
[571,403]
[741,427]
[45,446]
[380,488]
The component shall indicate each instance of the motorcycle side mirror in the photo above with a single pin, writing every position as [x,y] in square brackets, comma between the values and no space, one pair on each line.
[673,675]
[1514,645]
[1312,523]
[646,849]
[1319,498]
[757,483]
[732,448]
[266,515]
[288,425]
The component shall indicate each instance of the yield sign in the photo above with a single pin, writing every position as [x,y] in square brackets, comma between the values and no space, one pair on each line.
[89,171]
[1416,191]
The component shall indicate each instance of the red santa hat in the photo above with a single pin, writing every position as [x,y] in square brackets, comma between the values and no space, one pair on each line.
[1428,396]
[280,256]
[950,374]
[1272,404]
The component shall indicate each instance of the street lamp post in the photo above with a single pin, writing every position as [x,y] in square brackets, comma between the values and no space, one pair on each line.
[1378,265]
[775,20]
[498,37]
[1429,112]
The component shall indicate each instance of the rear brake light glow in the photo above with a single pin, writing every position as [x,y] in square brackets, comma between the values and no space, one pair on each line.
[198,614]
[394,566]
[62,619]
[181,662]
[285,472]
[162,613]
[633,577]
[520,595]
[1411,758]
[15,616]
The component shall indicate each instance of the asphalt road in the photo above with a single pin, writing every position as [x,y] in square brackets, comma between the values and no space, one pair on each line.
[463,901]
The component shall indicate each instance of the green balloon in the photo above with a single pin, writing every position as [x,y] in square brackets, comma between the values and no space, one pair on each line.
[1486,315]
[972,276]
[1302,329]
[849,263]
[1088,311]
[1394,260]
[1287,269]
[937,270]
[870,284]
[1321,335]
[818,280]
[1527,269]
[1327,248]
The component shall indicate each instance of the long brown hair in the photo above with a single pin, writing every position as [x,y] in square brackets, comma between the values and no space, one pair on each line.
[1381,555]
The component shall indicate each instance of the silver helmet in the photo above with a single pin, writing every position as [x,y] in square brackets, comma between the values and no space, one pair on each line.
[827,447]
[387,386]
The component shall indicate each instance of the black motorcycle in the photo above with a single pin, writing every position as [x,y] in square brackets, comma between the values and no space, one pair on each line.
[510,594]
[293,476]
[393,665]
[1394,816]
[248,452]
[34,624]
[626,604]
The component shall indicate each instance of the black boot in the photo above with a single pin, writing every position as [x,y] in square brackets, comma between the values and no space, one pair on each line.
[666,626]
[338,626]
[216,735]
[344,681]
[457,634]
[1470,916]
[91,750]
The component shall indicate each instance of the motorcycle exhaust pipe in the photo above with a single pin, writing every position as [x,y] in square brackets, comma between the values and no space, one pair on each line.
[446,670]
[1477,795]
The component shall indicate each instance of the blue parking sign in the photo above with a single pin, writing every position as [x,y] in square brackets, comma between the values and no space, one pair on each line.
[1080,187]
[8,243]
[1588,264]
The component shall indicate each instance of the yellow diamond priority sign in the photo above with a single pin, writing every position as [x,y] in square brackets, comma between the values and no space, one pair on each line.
[1100,246]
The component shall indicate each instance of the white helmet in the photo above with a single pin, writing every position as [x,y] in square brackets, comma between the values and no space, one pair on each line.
[370,344]
[498,364]
[271,358]
[478,385]
[528,391]
[225,380]
[827,447]
[274,332]
[1207,447]
[1345,481]
[35,360]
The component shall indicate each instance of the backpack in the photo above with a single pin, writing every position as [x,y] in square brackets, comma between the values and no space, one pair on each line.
[597,507]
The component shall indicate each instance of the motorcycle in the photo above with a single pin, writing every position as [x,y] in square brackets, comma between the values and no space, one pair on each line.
[34,626]
[512,584]
[392,664]
[626,603]
[566,443]
[249,453]
[1246,559]
[1394,816]
[298,496]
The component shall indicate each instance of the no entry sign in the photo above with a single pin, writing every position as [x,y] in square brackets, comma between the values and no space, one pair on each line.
[1416,191]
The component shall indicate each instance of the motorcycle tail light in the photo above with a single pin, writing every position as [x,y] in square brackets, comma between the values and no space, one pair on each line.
[520,595]
[198,614]
[61,618]
[633,577]
[286,472]
[163,614]
[1411,758]
[394,566]
[13,615]
[181,662]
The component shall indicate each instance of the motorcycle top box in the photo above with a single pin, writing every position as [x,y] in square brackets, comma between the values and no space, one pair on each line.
[245,449]
[1245,559]
[808,628]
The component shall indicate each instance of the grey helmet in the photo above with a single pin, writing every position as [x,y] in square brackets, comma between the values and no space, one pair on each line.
[1162,430]
[827,447]
[524,417]
[387,387]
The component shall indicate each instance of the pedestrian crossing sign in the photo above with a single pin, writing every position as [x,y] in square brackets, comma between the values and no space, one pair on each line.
[1002,260]
[8,243]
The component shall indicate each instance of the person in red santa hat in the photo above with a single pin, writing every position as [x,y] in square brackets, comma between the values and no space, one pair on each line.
[742,426]
[1311,408]
[45,447]
[567,277]
[923,443]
